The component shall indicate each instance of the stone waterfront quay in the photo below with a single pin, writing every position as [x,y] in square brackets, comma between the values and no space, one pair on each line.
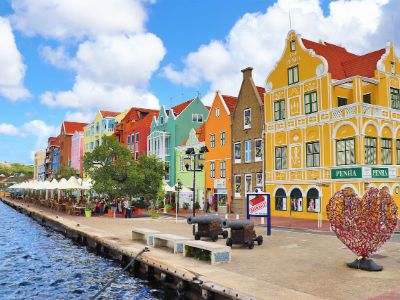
[289,264]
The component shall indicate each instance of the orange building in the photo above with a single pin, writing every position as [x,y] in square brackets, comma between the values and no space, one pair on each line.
[218,159]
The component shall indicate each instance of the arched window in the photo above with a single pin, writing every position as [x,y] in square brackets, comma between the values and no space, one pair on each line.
[296,200]
[280,199]
[313,200]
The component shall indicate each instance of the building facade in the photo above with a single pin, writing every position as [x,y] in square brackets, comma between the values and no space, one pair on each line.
[218,159]
[247,142]
[67,131]
[52,145]
[40,157]
[104,124]
[196,141]
[332,121]
[170,129]
[77,145]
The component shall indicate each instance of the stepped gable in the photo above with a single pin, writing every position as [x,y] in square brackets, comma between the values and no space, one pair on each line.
[343,64]
[71,127]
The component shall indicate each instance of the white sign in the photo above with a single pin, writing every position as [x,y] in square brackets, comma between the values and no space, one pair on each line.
[219,183]
[257,204]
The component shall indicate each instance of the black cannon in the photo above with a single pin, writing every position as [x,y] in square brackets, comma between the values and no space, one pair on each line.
[208,226]
[242,232]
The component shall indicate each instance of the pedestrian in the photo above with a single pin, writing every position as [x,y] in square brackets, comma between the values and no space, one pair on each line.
[103,206]
[127,206]
[114,207]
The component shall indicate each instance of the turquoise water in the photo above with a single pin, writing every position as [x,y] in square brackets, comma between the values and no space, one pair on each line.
[39,263]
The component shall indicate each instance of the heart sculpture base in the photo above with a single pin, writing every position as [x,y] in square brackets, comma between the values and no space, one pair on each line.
[365,264]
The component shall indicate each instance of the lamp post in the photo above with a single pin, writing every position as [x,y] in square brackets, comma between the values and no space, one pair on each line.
[194,161]
[178,188]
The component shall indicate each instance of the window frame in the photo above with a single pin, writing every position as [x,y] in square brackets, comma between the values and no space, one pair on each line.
[368,148]
[212,169]
[345,151]
[196,118]
[245,183]
[217,112]
[369,98]
[339,99]
[280,110]
[291,73]
[395,103]
[258,158]
[309,95]
[247,151]
[280,158]
[237,160]
[313,154]
[236,182]
[246,126]
[222,169]
[389,151]
[257,179]
[222,138]
[212,140]
[292,45]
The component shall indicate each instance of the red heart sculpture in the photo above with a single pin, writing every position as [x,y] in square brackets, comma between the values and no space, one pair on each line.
[365,224]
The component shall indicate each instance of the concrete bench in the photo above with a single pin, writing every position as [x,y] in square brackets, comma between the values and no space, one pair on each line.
[144,234]
[218,253]
[172,241]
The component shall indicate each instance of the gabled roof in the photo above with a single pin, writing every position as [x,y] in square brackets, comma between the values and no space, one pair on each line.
[134,114]
[230,102]
[178,109]
[343,64]
[261,92]
[146,121]
[110,114]
[71,127]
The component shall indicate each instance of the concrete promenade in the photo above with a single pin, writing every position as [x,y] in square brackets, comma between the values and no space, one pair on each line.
[289,265]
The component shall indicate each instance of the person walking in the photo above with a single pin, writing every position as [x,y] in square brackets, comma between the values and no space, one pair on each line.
[114,207]
[127,206]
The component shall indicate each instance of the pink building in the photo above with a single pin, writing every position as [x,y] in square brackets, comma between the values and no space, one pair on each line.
[77,143]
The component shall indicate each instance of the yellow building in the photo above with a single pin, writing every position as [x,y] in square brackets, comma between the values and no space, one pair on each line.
[332,120]
[103,124]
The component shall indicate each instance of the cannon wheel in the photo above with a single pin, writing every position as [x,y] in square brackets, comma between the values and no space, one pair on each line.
[229,242]
[250,244]
[214,237]
[197,236]
[259,240]
[224,234]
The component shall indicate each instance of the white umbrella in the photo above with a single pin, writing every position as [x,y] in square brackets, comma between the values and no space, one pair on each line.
[62,184]
[167,188]
[87,185]
[73,184]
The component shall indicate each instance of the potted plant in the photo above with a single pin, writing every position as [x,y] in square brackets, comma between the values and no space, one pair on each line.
[88,210]
[170,209]
[185,208]
[196,207]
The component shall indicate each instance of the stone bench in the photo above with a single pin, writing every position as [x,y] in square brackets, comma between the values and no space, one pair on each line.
[172,241]
[216,253]
[144,234]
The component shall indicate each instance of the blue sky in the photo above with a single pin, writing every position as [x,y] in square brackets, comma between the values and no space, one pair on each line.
[149,53]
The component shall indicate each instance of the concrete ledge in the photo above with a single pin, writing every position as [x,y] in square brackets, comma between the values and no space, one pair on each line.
[172,241]
[145,234]
[218,253]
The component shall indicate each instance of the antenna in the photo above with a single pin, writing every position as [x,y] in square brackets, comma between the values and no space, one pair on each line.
[198,94]
[290,20]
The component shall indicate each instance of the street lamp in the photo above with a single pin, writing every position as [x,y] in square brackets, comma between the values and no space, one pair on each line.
[178,188]
[194,161]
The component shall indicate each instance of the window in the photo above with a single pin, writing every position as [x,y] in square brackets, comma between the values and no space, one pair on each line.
[395,97]
[137,137]
[222,138]
[280,199]
[293,75]
[313,201]
[367,98]
[248,183]
[392,67]
[238,185]
[370,151]
[312,149]
[129,139]
[259,179]
[247,118]
[212,169]
[222,169]
[279,110]
[166,168]
[217,112]
[197,118]
[97,127]
[341,101]
[398,151]
[212,140]
[181,163]
[258,155]
[386,151]
[345,152]
[292,45]
[247,151]
[237,152]
[296,200]
[161,120]
[96,143]
[311,103]
[136,155]
[133,138]
[280,158]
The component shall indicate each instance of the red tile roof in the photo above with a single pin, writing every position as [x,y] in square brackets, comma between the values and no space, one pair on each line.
[146,121]
[261,92]
[201,133]
[230,102]
[71,127]
[181,107]
[106,113]
[134,113]
[343,64]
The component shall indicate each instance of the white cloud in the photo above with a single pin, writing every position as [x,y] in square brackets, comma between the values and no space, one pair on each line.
[12,69]
[103,42]
[9,129]
[77,18]
[257,40]
[78,116]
